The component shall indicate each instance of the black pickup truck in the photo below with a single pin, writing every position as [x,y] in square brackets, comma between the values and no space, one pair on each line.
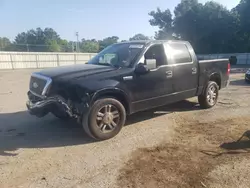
[123,79]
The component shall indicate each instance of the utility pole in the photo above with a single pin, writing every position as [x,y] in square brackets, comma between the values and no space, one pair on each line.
[77,41]
[27,46]
[72,46]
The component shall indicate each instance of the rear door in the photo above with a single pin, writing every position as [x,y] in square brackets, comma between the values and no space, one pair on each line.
[185,73]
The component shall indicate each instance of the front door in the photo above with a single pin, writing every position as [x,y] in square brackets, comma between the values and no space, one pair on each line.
[150,90]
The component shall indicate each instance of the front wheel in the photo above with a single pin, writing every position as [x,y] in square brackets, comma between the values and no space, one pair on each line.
[105,119]
[209,98]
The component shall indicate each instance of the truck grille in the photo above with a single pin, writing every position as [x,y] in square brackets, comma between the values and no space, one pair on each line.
[37,84]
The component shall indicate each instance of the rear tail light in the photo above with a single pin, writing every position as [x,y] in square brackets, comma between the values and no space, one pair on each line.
[228,68]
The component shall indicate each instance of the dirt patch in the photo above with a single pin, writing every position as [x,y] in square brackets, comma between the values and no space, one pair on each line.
[213,132]
[169,165]
[190,157]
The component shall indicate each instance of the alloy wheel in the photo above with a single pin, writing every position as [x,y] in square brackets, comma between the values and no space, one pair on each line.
[107,118]
[212,95]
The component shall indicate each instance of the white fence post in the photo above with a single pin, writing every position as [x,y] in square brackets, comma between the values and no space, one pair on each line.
[57,58]
[75,58]
[11,62]
[37,61]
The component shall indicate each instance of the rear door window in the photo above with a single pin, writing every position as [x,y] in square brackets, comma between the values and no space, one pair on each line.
[180,53]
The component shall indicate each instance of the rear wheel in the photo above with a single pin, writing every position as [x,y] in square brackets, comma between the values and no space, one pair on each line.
[105,119]
[209,98]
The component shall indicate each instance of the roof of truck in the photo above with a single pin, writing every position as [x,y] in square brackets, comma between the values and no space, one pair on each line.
[154,41]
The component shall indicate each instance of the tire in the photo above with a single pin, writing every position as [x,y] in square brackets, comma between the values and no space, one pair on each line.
[105,119]
[205,98]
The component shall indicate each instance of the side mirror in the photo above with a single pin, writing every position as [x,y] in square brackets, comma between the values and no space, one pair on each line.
[141,69]
[150,64]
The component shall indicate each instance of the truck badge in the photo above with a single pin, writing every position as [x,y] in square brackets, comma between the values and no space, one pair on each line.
[35,85]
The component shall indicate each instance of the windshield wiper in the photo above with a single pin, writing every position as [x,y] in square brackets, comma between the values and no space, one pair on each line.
[107,64]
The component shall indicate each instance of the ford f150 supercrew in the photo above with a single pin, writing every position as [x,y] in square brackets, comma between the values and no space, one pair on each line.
[123,79]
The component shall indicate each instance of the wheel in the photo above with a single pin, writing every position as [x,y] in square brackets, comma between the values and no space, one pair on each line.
[105,119]
[209,98]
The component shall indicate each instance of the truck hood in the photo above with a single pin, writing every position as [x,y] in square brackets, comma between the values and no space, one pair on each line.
[75,71]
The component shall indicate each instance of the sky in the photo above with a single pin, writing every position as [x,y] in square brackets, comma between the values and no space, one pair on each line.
[91,18]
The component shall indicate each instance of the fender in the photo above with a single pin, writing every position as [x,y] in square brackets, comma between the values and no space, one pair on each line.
[217,75]
[113,92]
[211,77]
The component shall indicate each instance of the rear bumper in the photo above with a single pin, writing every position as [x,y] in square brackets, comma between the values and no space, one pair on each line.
[225,84]
[43,107]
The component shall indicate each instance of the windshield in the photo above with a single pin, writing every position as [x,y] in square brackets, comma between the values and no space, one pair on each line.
[118,55]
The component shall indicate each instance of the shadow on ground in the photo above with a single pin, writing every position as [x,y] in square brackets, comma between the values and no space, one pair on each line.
[21,130]
[236,147]
[240,144]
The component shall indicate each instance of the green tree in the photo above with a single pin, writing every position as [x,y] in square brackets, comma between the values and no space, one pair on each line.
[243,35]
[38,40]
[89,46]
[164,20]
[208,27]
[139,37]
[187,19]
[5,44]
[220,25]
[52,46]
[107,41]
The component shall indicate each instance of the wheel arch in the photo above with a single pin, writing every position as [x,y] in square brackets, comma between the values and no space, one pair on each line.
[115,93]
[216,77]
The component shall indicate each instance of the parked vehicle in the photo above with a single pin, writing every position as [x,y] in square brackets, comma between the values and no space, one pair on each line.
[247,76]
[123,79]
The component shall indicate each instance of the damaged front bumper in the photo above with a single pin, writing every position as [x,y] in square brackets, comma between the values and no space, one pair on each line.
[44,106]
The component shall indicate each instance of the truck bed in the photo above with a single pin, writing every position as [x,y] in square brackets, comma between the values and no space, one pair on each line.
[208,67]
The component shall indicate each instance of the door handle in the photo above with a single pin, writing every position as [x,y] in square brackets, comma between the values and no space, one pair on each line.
[194,70]
[169,74]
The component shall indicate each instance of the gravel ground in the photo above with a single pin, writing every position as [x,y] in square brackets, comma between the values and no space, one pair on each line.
[173,146]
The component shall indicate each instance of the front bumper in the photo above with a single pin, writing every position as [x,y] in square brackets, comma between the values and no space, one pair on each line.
[43,107]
